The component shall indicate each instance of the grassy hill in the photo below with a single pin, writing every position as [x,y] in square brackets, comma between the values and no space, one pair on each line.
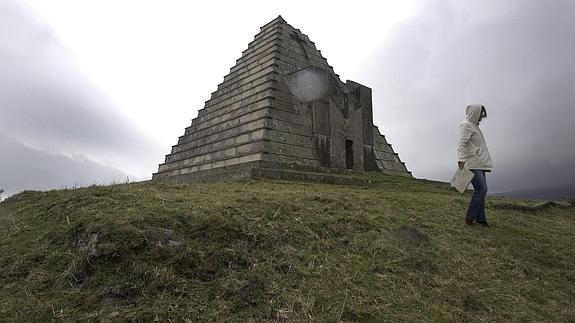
[265,250]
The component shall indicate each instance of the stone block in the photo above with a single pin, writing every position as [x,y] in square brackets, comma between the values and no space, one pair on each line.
[229,112]
[221,130]
[289,138]
[208,146]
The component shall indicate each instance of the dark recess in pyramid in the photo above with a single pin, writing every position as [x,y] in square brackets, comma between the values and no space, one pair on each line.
[282,112]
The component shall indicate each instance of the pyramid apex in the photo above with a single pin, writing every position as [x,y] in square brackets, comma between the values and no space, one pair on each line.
[279,19]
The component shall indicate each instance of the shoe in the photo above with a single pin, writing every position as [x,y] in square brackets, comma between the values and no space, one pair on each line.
[468,221]
[483,223]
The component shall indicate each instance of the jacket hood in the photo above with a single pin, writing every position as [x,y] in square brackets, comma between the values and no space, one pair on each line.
[473,112]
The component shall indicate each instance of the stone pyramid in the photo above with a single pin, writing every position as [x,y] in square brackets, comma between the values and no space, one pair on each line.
[282,112]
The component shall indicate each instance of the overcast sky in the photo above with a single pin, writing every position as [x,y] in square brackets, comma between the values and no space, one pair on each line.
[97,91]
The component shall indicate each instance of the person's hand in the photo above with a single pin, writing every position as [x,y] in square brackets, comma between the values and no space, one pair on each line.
[461,164]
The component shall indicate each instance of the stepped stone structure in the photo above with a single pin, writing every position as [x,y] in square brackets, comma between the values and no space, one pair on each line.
[282,112]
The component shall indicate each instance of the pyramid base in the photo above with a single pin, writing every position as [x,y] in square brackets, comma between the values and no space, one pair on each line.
[269,170]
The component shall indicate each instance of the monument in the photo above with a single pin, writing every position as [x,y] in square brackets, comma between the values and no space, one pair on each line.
[282,112]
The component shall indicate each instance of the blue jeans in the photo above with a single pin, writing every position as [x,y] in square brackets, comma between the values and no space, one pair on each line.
[476,210]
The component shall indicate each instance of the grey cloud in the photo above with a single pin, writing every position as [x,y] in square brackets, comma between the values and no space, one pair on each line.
[46,102]
[515,57]
[27,168]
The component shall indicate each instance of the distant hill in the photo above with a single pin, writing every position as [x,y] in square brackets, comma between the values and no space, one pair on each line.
[396,251]
[554,193]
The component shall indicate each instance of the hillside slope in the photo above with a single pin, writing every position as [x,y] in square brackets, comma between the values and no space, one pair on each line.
[263,250]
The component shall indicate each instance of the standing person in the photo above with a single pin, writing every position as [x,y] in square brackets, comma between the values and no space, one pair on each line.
[472,153]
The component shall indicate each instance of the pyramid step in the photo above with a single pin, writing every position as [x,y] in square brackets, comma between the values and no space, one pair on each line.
[213,138]
[245,143]
[268,59]
[218,131]
[314,177]
[199,161]
[226,113]
[237,110]
[237,95]
[206,145]
[206,114]
[269,40]
[282,120]
[269,47]
[220,166]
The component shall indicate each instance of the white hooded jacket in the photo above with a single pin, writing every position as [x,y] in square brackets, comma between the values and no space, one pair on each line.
[471,146]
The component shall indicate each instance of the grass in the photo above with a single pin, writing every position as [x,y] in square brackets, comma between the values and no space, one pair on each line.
[276,251]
